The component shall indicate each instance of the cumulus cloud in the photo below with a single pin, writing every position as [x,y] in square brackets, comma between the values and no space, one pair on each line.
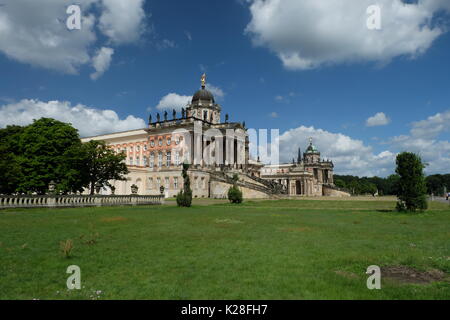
[350,156]
[35,32]
[433,126]
[101,62]
[424,140]
[173,101]
[89,121]
[309,33]
[379,119]
[122,21]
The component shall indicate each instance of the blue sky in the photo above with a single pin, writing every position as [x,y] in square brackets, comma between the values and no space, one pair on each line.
[338,83]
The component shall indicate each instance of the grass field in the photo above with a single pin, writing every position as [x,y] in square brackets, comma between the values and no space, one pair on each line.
[284,249]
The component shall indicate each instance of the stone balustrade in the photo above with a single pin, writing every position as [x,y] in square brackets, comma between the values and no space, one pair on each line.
[50,201]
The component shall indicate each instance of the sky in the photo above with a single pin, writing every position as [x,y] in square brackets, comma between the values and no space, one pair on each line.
[310,68]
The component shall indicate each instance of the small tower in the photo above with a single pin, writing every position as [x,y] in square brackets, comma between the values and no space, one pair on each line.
[312,155]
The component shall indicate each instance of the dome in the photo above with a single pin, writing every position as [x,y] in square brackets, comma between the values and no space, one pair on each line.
[311,149]
[203,95]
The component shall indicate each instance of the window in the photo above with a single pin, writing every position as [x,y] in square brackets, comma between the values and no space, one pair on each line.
[138,148]
[168,156]
[145,147]
[152,143]
[166,182]
[150,183]
[145,162]
[168,141]
[160,142]
[175,183]
[152,160]
[160,159]
[177,140]
[205,115]
[158,182]
[177,158]
[131,161]
[138,162]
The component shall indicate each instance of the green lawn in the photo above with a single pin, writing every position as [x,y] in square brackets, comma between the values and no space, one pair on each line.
[285,249]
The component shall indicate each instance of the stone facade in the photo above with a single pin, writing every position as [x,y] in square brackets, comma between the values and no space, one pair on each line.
[305,177]
[215,150]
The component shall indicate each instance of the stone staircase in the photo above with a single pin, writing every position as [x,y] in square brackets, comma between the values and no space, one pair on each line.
[273,190]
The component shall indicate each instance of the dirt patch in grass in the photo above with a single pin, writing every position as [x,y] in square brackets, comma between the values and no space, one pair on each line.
[113,219]
[406,274]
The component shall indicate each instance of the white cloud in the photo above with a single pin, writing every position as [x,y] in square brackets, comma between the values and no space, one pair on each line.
[101,62]
[273,115]
[173,101]
[89,121]
[379,119]
[122,21]
[35,32]
[423,139]
[309,33]
[433,126]
[216,91]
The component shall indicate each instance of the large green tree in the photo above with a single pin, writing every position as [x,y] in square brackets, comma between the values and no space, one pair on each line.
[43,148]
[411,188]
[99,164]
[10,169]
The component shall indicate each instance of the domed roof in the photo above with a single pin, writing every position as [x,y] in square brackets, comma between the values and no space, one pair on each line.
[311,148]
[204,95]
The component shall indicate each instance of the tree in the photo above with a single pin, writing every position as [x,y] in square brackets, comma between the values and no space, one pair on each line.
[184,197]
[43,147]
[234,194]
[411,191]
[436,184]
[10,171]
[99,164]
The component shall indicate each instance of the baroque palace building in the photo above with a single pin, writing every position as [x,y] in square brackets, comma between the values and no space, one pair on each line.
[215,150]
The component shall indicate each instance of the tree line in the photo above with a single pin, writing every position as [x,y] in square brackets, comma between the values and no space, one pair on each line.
[436,184]
[47,151]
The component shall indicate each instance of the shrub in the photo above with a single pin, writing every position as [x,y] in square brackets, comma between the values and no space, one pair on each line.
[184,197]
[234,194]
[66,248]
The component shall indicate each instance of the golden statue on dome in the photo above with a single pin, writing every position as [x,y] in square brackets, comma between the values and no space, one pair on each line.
[203,80]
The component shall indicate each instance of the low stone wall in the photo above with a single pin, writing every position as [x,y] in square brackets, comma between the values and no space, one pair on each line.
[77,201]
